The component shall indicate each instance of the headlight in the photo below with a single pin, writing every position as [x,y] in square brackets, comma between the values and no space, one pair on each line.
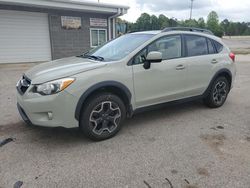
[53,87]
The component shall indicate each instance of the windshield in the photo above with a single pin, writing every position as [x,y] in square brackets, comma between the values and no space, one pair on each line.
[119,47]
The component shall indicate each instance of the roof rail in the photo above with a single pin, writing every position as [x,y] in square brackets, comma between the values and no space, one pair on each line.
[194,29]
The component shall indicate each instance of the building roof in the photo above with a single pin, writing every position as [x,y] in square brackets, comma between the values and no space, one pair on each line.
[75,5]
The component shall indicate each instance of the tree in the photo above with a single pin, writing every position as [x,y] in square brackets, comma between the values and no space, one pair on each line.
[201,23]
[231,29]
[143,22]
[189,23]
[163,21]
[213,24]
[173,22]
[154,22]
[225,26]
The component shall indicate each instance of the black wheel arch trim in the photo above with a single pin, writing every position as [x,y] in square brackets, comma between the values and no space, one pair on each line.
[221,71]
[100,85]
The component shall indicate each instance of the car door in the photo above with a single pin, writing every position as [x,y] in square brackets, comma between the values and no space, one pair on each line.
[200,60]
[164,81]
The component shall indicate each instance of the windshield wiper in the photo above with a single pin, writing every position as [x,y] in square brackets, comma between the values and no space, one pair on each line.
[99,58]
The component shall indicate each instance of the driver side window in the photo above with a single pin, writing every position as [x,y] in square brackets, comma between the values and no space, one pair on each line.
[169,46]
[141,57]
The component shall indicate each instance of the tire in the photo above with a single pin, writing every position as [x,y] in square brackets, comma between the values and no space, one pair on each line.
[217,93]
[102,116]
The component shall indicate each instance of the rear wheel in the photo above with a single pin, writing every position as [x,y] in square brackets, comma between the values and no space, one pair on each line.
[102,116]
[217,93]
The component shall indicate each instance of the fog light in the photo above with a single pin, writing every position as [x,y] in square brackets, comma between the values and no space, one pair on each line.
[50,115]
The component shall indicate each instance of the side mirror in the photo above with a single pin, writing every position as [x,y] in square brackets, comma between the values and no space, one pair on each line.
[152,57]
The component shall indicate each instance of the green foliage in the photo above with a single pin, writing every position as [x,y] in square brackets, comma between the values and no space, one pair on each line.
[152,22]
[235,28]
[213,24]
[189,23]
[201,23]
[163,21]
[143,22]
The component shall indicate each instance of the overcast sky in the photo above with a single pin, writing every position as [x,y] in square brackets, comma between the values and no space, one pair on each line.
[236,10]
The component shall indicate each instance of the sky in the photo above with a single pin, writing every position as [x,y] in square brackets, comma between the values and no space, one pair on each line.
[235,10]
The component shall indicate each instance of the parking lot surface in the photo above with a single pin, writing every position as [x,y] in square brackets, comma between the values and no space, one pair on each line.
[188,145]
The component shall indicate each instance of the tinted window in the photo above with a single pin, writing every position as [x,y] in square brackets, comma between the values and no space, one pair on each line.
[218,46]
[211,49]
[196,45]
[140,57]
[169,46]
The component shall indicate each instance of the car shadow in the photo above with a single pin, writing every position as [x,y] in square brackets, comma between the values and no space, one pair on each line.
[60,136]
[165,112]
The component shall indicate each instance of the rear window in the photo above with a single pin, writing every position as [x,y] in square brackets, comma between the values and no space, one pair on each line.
[196,45]
[210,46]
[218,46]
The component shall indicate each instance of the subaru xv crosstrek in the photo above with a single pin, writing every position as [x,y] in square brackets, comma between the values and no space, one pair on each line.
[96,91]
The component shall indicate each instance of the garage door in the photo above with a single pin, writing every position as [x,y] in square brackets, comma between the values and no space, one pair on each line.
[24,37]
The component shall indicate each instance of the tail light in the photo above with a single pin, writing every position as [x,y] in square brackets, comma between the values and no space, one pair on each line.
[232,56]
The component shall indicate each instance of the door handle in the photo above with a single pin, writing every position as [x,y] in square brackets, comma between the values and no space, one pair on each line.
[214,61]
[180,67]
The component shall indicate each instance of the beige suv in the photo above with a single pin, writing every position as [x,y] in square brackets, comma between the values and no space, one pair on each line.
[96,91]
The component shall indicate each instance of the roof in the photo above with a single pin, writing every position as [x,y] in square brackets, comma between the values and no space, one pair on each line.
[75,5]
[194,32]
[192,29]
[178,30]
[153,32]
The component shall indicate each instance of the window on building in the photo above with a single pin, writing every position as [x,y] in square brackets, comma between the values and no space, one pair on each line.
[98,37]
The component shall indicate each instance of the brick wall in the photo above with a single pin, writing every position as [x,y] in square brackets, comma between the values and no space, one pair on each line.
[70,42]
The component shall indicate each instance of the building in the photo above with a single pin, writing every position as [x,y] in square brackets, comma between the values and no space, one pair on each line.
[41,30]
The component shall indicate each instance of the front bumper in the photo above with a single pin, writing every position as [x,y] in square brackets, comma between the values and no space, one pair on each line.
[23,115]
[49,111]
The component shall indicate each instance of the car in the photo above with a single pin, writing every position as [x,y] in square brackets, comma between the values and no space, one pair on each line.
[98,90]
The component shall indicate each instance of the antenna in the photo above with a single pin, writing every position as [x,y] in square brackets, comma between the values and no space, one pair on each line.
[191,10]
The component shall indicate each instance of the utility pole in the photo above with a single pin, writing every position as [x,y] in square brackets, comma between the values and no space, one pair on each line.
[191,9]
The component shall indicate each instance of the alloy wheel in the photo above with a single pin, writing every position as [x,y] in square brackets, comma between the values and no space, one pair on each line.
[105,117]
[220,92]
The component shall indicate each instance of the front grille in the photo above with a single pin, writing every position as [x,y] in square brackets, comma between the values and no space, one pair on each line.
[23,84]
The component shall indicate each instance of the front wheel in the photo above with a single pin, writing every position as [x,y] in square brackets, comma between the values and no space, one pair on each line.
[217,93]
[102,116]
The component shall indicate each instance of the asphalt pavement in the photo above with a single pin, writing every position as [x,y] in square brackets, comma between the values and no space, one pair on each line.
[188,145]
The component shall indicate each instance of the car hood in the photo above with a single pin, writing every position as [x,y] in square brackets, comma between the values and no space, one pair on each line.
[61,68]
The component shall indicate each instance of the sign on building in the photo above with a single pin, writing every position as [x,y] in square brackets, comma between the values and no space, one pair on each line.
[69,22]
[98,22]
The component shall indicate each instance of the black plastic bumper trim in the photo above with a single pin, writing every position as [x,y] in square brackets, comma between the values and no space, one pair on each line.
[23,115]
